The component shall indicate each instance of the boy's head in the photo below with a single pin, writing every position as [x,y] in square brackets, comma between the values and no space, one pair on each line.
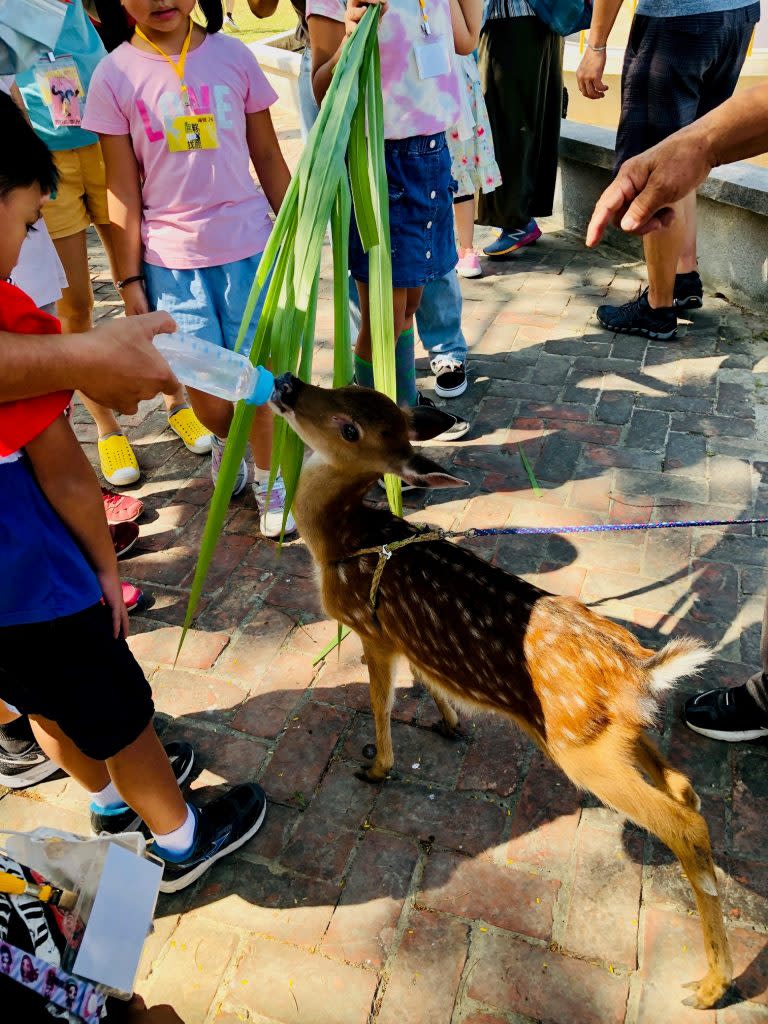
[27,176]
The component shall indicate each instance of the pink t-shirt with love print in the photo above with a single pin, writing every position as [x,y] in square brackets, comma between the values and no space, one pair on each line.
[200,208]
[412,105]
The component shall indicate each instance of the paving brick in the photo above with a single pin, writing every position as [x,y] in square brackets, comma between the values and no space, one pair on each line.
[303,751]
[615,407]
[187,693]
[193,967]
[275,695]
[422,754]
[713,426]
[647,429]
[222,757]
[159,647]
[327,831]
[546,818]
[425,979]
[518,901]
[363,925]
[237,893]
[557,461]
[285,985]
[510,974]
[436,816]
[750,805]
[497,756]
[605,898]
[686,454]
[730,480]
[249,654]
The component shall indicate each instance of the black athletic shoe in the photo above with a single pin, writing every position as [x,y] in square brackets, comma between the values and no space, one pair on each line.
[450,376]
[729,713]
[689,291]
[637,317]
[25,767]
[223,826]
[114,820]
[457,429]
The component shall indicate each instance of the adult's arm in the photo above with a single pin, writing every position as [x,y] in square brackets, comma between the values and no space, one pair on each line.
[589,74]
[263,8]
[115,364]
[638,199]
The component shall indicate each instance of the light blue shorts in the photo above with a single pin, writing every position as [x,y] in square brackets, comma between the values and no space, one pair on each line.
[208,302]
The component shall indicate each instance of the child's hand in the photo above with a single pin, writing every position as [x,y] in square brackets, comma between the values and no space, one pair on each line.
[113,597]
[355,11]
[135,299]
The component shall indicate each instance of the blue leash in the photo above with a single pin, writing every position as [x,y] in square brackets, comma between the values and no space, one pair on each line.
[600,527]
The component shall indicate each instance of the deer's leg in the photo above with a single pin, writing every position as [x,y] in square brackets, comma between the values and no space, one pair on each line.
[380,682]
[611,776]
[448,726]
[664,776]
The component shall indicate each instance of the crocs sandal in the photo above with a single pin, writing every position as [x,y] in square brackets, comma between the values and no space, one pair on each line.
[124,536]
[191,431]
[121,508]
[131,596]
[118,463]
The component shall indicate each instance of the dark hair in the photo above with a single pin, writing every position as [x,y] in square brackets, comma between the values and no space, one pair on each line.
[24,158]
[6,950]
[32,974]
[115,27]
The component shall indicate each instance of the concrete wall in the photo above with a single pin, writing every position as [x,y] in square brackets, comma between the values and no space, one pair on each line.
[733,213]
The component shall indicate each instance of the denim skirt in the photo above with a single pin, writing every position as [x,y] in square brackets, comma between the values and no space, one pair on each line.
[421,230]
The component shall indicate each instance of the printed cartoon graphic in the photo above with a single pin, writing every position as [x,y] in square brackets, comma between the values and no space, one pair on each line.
[62,91]
[66,101]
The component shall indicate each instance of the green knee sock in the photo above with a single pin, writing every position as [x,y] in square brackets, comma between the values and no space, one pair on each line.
[405,369]
[363,372]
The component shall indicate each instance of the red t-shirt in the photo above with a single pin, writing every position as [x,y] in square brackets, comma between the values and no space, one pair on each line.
[21,422]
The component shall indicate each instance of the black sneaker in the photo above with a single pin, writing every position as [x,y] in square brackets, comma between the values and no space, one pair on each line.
[457,429]
[223,826]
[122,818]
[728,713]
[637,317]
[689,291]
[450,376]
[26,767]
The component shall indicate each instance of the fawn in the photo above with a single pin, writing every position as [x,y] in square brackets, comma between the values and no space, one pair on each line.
[581,687]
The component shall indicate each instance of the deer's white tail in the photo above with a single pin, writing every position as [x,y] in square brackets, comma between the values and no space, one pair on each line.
[681,657]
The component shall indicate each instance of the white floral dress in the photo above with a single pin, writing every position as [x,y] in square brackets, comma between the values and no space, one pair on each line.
[473,160]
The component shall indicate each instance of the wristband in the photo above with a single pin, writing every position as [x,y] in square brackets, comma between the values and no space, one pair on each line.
[597,49]
[129,280]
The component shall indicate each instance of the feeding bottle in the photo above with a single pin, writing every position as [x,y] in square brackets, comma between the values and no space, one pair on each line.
[214,370]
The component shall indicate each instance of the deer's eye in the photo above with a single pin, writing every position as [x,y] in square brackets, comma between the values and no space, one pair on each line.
[350,432]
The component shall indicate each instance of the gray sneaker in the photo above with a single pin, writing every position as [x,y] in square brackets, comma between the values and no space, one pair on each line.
[273,508]
[217,451]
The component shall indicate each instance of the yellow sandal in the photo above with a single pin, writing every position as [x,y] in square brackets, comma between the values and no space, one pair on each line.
[191,431]
[118,463]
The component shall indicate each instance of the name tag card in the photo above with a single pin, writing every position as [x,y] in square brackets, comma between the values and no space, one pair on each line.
[432,58]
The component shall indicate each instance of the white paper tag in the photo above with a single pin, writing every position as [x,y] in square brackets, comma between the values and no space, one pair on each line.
[432,58]
[119,920]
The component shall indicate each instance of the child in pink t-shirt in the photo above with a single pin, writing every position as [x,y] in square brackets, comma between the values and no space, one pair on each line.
[180,111]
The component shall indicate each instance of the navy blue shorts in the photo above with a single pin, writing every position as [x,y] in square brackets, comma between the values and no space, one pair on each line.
[676,70]
[421,230]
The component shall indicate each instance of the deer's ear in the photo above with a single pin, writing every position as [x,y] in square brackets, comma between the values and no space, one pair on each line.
[419,471]
[427,422]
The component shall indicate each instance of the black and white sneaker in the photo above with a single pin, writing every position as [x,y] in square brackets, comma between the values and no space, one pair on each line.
[450,376]
[689,291]
[457,429]
[122,818]
[222,826]
[728,713]
[26,767]
[638,317]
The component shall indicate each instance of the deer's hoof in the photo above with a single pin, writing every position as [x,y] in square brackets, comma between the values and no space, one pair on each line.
[708,992]
[369,751]
[450,732]
[369,774]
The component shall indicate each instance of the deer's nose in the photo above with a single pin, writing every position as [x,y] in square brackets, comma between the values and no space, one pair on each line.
[285,391]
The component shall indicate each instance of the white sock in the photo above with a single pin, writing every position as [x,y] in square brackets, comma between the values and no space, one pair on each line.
[181,839]
[107,797]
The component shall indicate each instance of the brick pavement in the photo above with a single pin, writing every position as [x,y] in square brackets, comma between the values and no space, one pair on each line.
[480,888]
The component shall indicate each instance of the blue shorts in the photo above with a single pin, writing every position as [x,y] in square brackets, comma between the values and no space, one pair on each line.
[207,302]
[420,213]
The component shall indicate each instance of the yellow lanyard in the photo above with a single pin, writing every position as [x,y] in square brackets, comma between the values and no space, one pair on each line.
[178,66]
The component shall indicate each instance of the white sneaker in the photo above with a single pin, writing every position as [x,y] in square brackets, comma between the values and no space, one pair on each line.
[273,510]
[217,451]
[230,22]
